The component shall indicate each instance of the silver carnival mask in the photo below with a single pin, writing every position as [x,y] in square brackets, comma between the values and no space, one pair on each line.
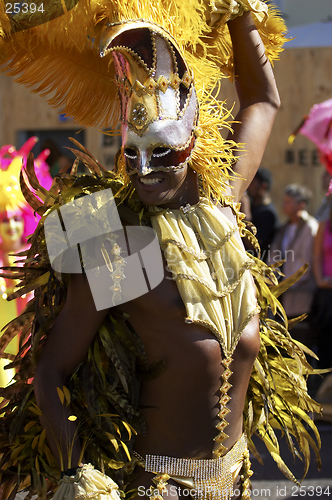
[159,107]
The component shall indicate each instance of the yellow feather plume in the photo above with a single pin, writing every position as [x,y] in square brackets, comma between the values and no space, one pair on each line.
[61,57]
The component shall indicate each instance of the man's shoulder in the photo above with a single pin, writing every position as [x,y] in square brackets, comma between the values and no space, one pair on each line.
[265,214]
[264,208]
[311,222]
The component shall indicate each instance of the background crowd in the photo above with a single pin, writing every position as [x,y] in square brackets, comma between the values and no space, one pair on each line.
[299,239]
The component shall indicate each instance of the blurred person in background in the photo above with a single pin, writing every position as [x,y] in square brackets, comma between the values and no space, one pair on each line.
[323,211]
[17,222]
[263,212]
[56,159]
[294,242]
[322,305]
[317,126]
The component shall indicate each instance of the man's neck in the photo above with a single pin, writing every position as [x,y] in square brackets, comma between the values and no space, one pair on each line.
[264,199]
[296,218]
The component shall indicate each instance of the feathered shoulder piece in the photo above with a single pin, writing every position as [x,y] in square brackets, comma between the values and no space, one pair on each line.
[55,49]
[277,396]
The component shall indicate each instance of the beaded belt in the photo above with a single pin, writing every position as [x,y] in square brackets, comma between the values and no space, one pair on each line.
[206,479]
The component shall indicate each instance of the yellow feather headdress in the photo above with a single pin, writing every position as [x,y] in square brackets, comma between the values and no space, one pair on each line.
[61,59]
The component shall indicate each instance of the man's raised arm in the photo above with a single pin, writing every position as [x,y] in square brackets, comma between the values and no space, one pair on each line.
[258,96]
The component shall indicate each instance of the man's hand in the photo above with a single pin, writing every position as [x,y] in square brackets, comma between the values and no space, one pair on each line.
[222,11]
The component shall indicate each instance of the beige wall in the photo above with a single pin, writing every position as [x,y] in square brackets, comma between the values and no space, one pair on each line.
[303,77]
[21,110]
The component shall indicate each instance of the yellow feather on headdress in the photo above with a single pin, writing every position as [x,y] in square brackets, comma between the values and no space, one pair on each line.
[11,196]
[61,57]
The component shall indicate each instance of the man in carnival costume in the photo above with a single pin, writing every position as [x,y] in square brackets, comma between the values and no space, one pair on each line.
[168,388]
